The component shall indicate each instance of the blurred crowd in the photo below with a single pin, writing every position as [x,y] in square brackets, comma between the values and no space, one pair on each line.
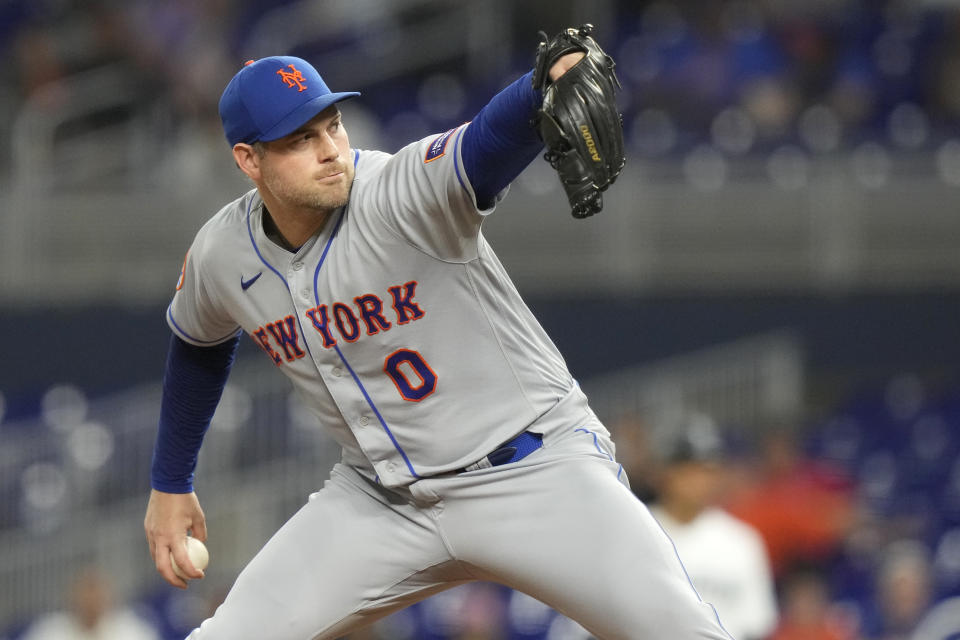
[857,513]
[732,76]
[848,529]
[821,74]
[843,528]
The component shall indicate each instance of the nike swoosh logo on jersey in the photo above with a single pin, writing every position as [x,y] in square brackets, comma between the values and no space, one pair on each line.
[246,284]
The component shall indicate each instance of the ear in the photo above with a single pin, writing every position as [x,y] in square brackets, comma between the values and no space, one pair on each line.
[247,159]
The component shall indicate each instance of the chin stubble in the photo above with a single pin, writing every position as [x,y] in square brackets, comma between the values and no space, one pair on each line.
[323,201]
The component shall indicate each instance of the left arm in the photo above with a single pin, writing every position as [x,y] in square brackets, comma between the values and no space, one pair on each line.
[192,386]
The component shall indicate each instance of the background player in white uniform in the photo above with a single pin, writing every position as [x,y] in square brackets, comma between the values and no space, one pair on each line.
[469,452]
[725,557]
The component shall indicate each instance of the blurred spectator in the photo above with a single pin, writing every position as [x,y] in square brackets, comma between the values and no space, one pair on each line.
[482,613]
[805,609]
[697,60]
[942,621]
[724,557]
[92,615]
[945,99]
[634,451]
[184,44]
[803,508]
[57,39]
[904,591]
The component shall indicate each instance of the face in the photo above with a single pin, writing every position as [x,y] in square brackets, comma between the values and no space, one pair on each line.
[90,598]
[695,485]
[310,169]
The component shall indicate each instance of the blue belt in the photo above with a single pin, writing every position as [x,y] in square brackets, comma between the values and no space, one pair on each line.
[510,451]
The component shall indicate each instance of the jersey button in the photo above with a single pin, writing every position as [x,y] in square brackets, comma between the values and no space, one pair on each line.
[391,467]
[297,266]
[305,292]
[337,372]
[364,421]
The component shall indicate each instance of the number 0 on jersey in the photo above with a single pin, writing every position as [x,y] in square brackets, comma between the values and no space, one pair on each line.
[425,379]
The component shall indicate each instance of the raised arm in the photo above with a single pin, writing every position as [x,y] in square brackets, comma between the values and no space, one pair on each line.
[500,141]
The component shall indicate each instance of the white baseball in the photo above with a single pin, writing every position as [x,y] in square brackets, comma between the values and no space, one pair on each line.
[198,554]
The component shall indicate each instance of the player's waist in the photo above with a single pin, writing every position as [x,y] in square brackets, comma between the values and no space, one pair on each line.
[513,450]
[423,454]
[572,409]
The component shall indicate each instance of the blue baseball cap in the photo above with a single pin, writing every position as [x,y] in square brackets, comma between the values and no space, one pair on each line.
[272,97]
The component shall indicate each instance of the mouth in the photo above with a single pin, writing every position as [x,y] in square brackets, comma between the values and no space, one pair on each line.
[331,177]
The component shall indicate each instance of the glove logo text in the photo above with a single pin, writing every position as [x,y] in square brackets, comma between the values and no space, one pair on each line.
[591,145]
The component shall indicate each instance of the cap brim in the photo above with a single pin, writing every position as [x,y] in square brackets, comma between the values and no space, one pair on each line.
[303,114]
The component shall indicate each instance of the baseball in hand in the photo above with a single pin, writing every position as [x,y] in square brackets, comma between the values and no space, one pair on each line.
[197,552]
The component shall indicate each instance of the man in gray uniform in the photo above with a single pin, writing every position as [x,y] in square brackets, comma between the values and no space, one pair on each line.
[469,452]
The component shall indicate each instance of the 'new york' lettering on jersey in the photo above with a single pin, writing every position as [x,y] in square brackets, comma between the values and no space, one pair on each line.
[396,323]
[369,314]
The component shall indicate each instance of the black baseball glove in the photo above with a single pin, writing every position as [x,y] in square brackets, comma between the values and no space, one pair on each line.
[579,122]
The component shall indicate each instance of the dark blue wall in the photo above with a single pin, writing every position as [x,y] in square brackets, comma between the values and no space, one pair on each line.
[840,333]
[102,349]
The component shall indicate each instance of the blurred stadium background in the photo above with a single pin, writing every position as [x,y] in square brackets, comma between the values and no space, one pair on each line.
[782,252]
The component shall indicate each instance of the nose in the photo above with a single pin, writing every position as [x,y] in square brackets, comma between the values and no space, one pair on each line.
[327,150]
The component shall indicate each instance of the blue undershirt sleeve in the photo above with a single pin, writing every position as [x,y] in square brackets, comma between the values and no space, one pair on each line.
[192,385]
[500,141]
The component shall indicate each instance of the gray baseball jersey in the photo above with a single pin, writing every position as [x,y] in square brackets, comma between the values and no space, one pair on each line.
[397,323]
[402,332]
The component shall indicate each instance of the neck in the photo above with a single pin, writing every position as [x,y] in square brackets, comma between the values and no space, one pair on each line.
[681,512]
[292,229]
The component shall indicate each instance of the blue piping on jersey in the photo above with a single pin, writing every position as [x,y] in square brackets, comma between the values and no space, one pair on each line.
[323,256]
[597,445]
[456,162]
[672,543]
[270,266]
[257,249]
[316,295]
[690,581]
[190,337]
[677,554]
[716,614]
[376,412]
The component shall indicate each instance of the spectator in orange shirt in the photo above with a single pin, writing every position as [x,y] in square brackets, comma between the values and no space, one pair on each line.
[806,612]
[801,507]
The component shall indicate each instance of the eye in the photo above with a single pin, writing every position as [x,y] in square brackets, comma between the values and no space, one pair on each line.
[301,139]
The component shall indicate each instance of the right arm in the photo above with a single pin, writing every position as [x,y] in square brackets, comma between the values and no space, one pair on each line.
[501,140]
[436,200]
[192,385]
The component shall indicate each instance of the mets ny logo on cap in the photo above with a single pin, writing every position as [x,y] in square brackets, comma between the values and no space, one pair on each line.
[292,78]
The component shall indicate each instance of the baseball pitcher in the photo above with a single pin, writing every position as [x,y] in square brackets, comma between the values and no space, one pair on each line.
[469,451]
